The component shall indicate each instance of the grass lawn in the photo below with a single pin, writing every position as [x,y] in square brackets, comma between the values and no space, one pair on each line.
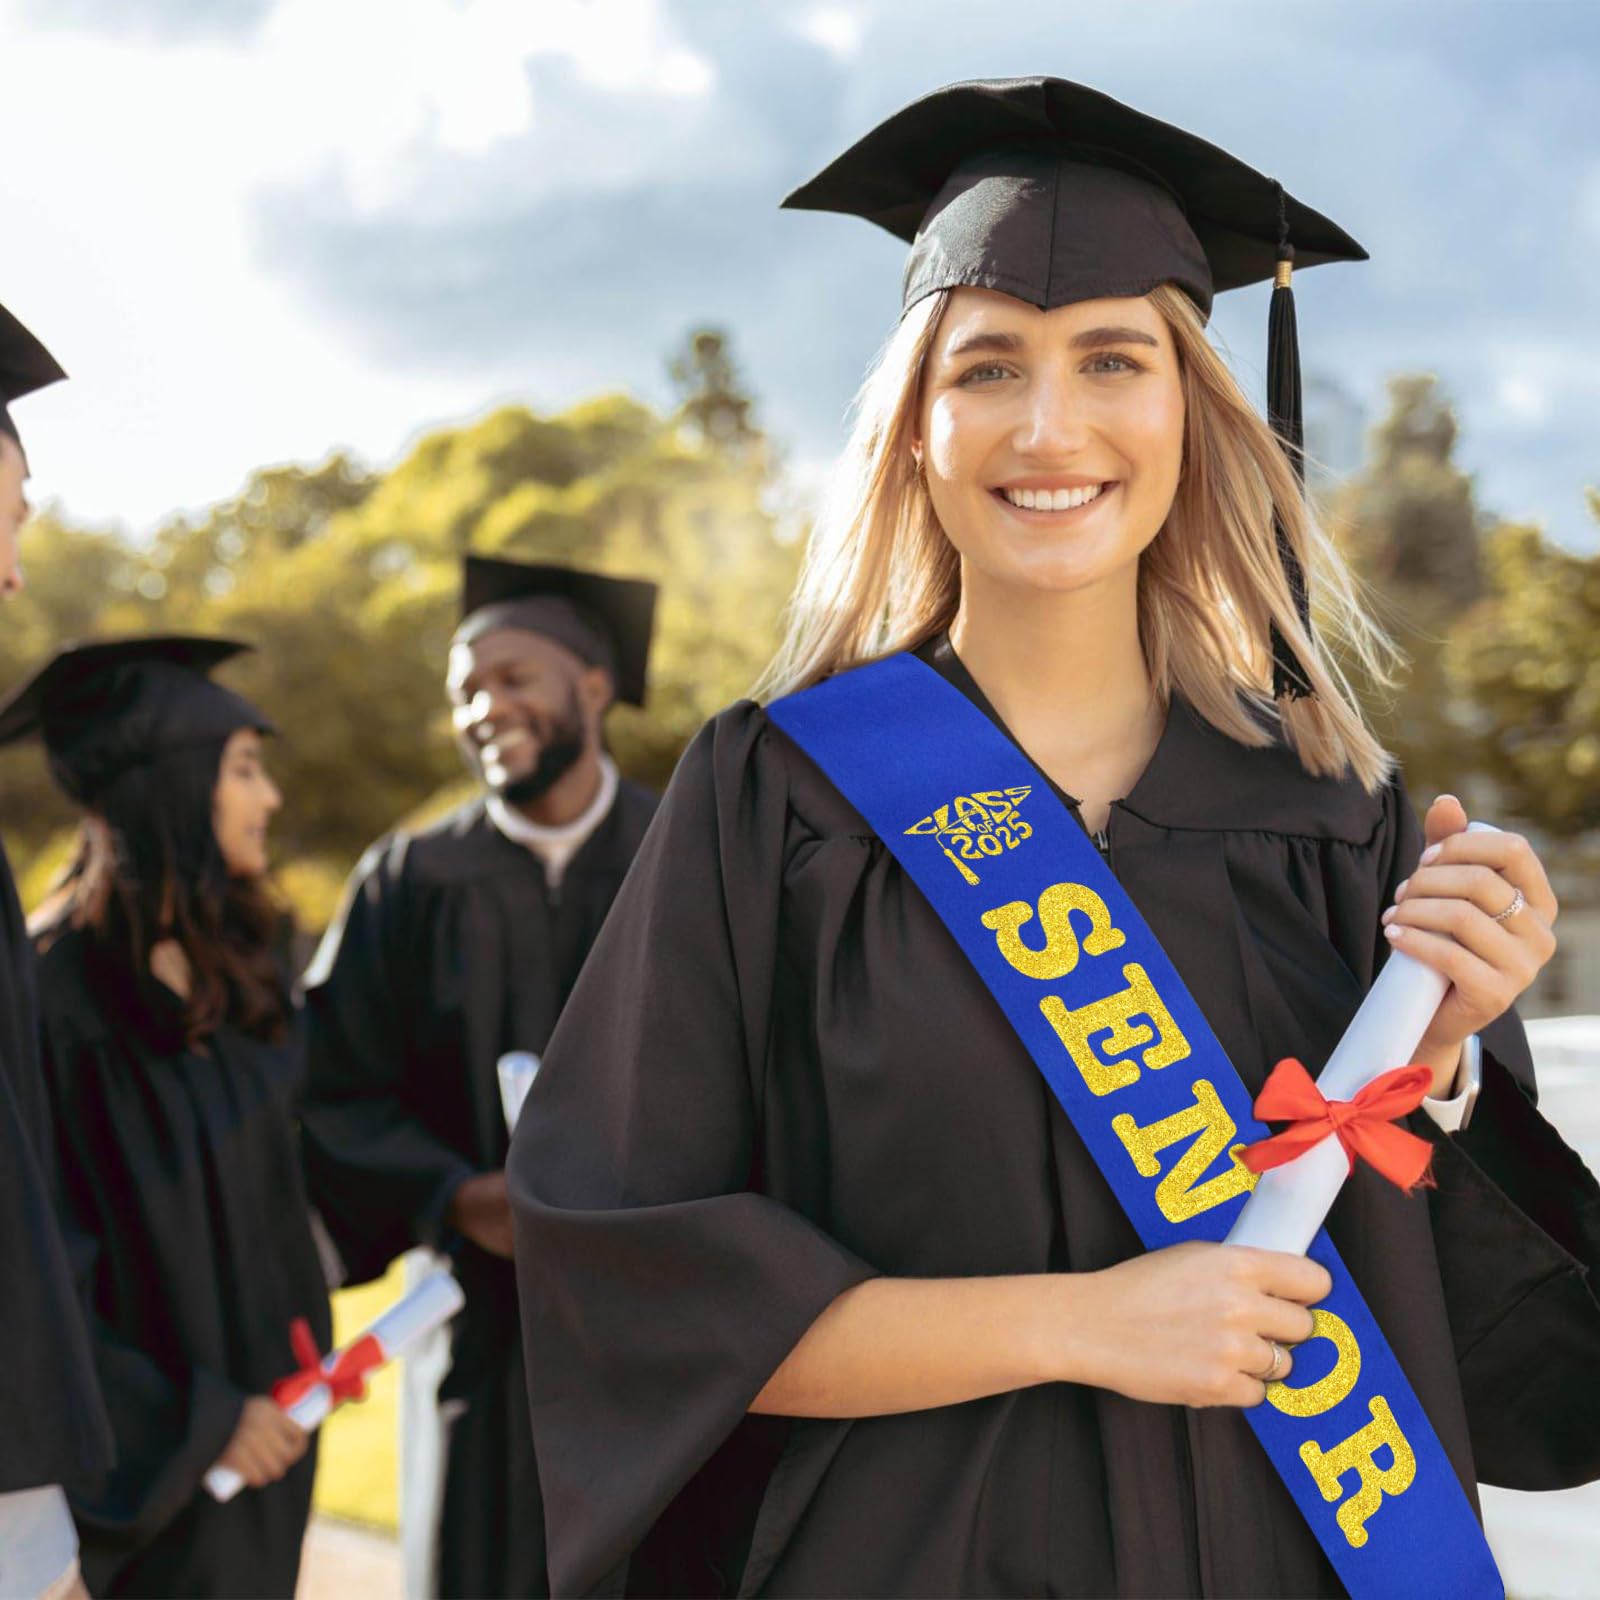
[358,1472]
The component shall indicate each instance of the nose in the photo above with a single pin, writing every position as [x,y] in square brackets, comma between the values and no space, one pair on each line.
[274,798]
[1054,425]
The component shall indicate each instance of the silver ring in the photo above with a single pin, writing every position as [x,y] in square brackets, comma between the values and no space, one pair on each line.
[1280,1363]
[1517,903]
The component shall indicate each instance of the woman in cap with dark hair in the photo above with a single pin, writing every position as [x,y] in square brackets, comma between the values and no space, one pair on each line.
[841,1278]
[174,1065]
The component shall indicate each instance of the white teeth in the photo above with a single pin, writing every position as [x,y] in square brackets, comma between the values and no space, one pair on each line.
[1053,499]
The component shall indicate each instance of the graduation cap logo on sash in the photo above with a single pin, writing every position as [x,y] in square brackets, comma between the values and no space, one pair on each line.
[976,825]
[1055,193]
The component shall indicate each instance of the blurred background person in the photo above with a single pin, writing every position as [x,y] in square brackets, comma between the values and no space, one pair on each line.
[55,1429]
[445,973]
[173,1065]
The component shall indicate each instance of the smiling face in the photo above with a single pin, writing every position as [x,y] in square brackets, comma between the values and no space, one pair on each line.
[14,510]
[1051,441]
[524,709]
[243,806]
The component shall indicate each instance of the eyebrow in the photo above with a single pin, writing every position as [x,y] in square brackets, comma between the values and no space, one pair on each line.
[1004,342]
[1094,338]
[1089,339]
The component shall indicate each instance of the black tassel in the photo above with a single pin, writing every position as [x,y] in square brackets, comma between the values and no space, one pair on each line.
[1287,421]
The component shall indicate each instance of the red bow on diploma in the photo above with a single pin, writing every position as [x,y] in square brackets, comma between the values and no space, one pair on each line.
[346,1378]
[1364,1125]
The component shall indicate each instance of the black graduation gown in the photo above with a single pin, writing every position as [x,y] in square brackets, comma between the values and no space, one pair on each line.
[54,1428]
[450,951]
[183,1169]
[779,1076]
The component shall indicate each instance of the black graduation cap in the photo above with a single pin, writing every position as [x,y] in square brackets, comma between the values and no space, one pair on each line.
[605,622]
[106,706]
[1055,193]
[25,365]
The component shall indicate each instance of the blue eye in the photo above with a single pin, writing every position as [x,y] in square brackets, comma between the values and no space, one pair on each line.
[1113,362]
[985,373]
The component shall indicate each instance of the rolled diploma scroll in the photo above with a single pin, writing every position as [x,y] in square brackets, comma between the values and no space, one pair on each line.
[414,1316]
[1289,1203]
[516,1070]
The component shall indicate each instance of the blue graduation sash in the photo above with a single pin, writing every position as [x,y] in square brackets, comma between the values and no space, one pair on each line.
[1148,1087]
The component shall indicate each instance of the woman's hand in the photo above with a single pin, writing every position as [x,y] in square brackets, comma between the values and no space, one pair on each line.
[266,1442]
[1194,1324]
[1445,915]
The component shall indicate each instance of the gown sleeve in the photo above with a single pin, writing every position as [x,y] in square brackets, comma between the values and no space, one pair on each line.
[1517,1230]
[54,1428]
[379,1178]
[170,1423]
[660,1288]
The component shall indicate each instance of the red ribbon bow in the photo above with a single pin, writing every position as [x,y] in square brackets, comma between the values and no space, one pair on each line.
[345,1375]
[1364,1125]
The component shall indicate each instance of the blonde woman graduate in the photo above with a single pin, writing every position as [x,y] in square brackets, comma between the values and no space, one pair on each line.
[842,1277]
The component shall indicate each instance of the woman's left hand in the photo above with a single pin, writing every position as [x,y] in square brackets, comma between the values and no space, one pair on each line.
[1445,916]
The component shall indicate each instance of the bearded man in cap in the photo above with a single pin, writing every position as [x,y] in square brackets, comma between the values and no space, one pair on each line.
[438,987]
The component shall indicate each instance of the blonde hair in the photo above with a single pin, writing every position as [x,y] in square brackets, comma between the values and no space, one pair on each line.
[881,576]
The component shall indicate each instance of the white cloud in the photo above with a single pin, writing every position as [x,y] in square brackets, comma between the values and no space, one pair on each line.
[683,72]
[1524,400]
[838,29]
[432,168]
[130,224]
[379,86]
[1588,203]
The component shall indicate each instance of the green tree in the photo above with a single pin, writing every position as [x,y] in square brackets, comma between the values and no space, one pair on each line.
[80,582]
[281,508]
[712,399]
[1415,521]
[1528,658]
[1410,524]
[348,583]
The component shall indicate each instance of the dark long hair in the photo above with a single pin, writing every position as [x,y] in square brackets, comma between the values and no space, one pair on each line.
[148,868]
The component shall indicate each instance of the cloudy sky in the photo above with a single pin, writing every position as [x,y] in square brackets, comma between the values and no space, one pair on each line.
[254,230]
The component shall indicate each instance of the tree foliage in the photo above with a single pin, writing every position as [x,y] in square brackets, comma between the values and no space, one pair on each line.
[347,581]
[1502,696]
[1412,510]
[1528,661]
[1410,523]
[712,399]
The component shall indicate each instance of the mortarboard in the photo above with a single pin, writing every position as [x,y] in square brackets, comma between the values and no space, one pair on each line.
[1056,193]
[108,705]
[605,622]
[25,365]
